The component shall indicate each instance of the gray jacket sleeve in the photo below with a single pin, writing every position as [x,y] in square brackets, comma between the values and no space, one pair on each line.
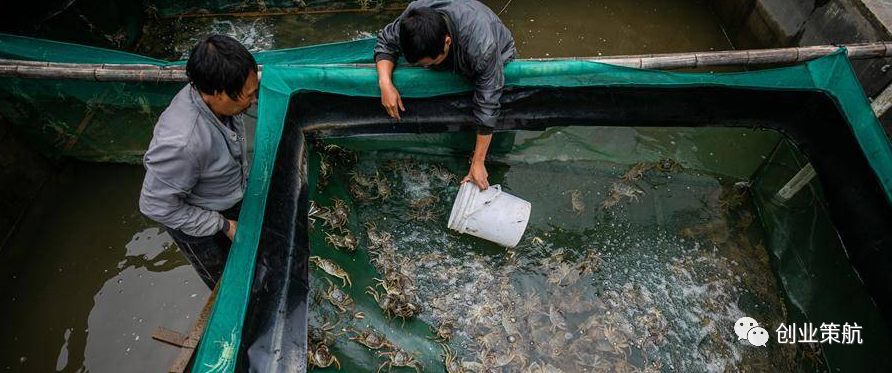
[388,46]
[489,81]
[171,172]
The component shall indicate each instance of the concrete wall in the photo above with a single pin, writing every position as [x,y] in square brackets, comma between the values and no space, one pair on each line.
[22,172]
[783,23]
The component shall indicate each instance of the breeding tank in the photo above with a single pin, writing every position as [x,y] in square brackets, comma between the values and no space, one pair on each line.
[655,224]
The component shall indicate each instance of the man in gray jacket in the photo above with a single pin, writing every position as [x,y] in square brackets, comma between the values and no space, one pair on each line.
[196,166]
[462,36]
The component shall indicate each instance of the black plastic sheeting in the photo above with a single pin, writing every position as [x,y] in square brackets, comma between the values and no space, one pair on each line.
[275,329]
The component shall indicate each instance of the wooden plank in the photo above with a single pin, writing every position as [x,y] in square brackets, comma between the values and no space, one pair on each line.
[168,336]
[82,125]
[191,343]
[882,102]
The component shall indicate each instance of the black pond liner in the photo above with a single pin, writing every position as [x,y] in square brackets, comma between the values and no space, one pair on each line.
[276,322]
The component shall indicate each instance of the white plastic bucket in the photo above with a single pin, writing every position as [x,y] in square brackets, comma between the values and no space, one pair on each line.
[492,214]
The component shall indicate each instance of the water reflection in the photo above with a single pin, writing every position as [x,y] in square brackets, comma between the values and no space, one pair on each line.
[86,279]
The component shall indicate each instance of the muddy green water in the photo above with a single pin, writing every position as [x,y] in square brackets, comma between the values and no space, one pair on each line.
[541,29]
[666,271]
[86,279]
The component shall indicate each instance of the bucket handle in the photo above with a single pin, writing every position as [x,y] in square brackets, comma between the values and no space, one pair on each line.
[498,189]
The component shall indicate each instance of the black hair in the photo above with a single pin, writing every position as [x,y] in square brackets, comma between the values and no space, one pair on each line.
[220,63]
[422,34]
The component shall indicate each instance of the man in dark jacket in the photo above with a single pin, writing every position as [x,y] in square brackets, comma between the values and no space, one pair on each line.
[462,36]
[196,165]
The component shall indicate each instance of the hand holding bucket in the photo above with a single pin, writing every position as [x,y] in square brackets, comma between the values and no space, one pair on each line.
[490,214]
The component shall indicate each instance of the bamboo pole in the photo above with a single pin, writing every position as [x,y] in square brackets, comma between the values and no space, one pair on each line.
[282,12]
[669,61]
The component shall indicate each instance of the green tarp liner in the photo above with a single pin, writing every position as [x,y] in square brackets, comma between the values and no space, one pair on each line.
[321,69]
[831,74]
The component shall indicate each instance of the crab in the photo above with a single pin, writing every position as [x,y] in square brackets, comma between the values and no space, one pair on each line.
[422,215]
[387,301]
[362,180]
[590,264]
[340,213]
[337,297]
[406,310]
[317,212]
[358,192]
[617,340]
[620,190]
[502,360]
[332,268]
[371,339]
[359,186]
[443,174]
[378,239]
[637,171]
[556,317]
[535,367]
[667,165]
[347,241]
[325,170]
[450,360]
[399,358]
[424,203]
[444,331]
[563,272]
[334,217]
[577,202]
[395,282]
[593,322]
[339,154]
[731,198]
[622,366]
[383,188]
[396,164]
[322,334]
[321,357]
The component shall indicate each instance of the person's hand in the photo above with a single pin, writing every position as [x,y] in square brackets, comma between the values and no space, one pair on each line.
[231,232]
[391,100]
[478,175]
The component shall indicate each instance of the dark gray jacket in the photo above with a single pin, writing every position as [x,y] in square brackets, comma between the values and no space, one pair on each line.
[195,167]
[481,46]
